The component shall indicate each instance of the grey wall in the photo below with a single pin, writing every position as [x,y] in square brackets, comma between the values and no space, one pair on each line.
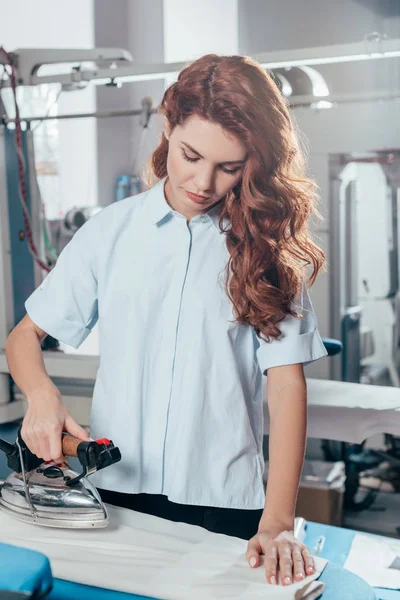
[147,45]
[111,29]
[266,25]
[136,26]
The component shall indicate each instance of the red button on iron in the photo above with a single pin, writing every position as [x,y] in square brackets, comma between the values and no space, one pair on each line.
[104,441]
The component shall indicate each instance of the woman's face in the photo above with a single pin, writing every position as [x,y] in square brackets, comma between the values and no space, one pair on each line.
[204,163]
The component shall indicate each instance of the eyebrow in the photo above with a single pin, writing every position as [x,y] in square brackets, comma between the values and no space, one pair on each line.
[226,162]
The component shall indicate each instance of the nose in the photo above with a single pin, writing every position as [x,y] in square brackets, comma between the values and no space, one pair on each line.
[204,180]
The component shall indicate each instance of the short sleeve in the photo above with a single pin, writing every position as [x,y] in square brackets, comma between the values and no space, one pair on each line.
[300,341]
[65,304]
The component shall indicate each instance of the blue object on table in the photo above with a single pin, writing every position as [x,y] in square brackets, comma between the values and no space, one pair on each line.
[67,590]
[25,571]
[336,549]
[332,346]
[340,584]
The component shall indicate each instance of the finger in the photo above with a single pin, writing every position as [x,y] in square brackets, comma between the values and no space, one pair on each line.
[25,437]
[28,435]
[55,445]
[298,563]
[72,427]
[43,445]
[271,563]
[308,561]
[30,443]
[42,451]
[253,553]
[38,441]
[285,562]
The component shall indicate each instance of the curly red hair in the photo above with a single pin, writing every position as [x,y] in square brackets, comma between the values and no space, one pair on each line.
[268,236]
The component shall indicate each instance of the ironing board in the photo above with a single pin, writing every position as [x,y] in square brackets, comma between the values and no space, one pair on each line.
[340,584]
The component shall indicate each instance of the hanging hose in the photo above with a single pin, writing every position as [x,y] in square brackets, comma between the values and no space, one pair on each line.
[22,169]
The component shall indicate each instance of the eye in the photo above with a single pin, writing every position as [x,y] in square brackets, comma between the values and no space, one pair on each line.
[195,159]
[188,158]
[230,171]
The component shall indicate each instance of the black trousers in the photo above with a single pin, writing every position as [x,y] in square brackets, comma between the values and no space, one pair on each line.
[230,521]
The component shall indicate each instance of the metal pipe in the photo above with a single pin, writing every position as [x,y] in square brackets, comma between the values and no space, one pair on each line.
[294,102]
[344,98]
[94,115]
[371,48]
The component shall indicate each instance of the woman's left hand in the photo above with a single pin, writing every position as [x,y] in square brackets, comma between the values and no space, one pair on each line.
[282,552]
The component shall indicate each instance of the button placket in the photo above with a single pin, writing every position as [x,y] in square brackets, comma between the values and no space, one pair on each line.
[183,282]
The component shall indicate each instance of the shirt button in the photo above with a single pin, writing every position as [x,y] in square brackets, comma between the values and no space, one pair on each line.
[203,218]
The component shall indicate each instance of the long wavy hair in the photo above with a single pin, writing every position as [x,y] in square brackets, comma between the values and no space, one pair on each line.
[268,239]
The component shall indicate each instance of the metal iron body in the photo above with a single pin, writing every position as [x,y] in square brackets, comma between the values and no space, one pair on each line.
[51,502]
[51,494]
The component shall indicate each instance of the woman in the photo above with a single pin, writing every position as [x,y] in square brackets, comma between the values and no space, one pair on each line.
[198,287]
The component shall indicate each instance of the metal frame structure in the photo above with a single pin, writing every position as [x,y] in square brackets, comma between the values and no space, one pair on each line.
[345,311]
[121,69]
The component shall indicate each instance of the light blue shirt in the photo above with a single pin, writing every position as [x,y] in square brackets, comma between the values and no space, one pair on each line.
[179,386]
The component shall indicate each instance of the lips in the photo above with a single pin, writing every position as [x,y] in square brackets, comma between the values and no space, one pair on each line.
[197,198]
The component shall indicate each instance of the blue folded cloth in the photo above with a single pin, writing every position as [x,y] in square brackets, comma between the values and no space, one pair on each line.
[26,571]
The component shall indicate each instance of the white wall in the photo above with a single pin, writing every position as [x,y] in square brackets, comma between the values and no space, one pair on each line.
[192,29]
[45,24]
[147,35]
[49,24]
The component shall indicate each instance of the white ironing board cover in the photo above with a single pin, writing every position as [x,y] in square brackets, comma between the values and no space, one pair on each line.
[146,555]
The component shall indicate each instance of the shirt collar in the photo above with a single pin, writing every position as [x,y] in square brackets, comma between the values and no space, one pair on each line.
[159,207]
[215,214]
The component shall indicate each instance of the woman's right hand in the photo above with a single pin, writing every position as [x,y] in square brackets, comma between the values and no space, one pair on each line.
[44,422]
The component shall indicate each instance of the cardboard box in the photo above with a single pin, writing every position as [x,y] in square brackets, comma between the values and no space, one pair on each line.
[321,492]
[321,506]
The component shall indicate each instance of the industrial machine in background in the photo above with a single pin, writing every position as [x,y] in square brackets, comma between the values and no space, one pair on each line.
[365,303]
[365,258]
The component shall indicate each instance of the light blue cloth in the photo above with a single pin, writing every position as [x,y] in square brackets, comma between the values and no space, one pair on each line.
[179,388]
[24,571]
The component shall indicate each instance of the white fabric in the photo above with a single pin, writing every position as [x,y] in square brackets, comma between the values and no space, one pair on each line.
[371,557]
[179,380]
[142,554]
